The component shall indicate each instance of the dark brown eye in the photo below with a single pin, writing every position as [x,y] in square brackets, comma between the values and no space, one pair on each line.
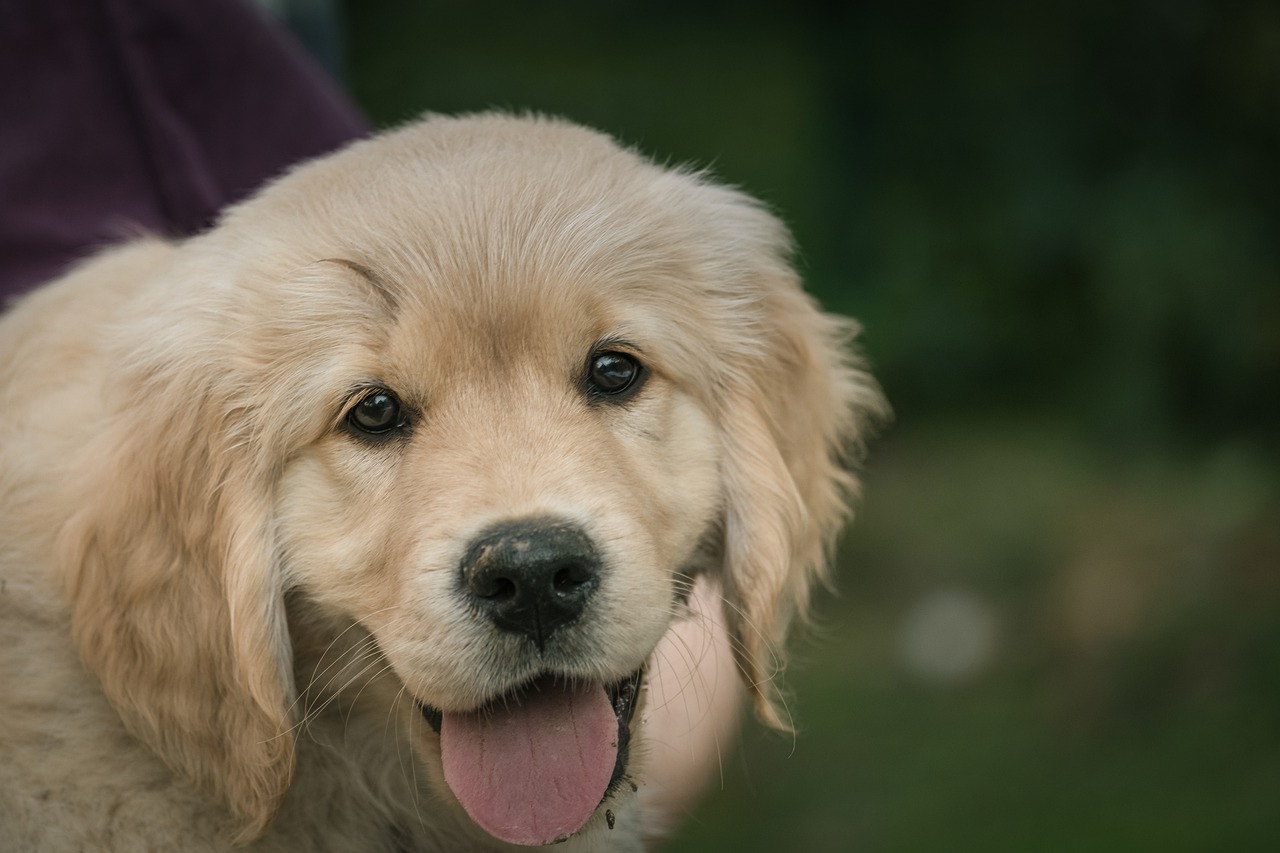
[613,373]
[378,412]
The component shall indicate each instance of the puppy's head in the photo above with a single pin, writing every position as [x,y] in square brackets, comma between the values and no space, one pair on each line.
[491,391]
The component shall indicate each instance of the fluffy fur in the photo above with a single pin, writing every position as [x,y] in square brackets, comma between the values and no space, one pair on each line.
[219,607]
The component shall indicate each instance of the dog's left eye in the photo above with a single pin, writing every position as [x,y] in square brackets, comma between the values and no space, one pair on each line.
[614,373]
[377,413]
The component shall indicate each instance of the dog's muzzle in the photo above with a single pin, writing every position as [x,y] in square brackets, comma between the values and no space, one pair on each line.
[533,765]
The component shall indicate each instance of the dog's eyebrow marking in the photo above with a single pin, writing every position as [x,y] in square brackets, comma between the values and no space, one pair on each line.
[375,281]
[617,342]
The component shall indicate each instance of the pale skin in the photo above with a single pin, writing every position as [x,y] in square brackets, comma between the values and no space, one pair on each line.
[693,711]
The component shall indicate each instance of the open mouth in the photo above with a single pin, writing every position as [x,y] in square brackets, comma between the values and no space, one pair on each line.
[532,766]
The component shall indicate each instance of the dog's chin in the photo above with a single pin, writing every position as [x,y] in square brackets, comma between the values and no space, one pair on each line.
[532,765]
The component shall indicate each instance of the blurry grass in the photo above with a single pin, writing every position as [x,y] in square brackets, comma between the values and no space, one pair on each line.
[1133,697]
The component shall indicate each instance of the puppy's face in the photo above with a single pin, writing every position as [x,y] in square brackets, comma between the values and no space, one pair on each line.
[509,498]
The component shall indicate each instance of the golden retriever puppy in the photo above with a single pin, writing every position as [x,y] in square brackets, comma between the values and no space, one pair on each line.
[358,522]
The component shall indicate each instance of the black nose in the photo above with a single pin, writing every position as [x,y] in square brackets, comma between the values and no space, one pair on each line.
[532,577]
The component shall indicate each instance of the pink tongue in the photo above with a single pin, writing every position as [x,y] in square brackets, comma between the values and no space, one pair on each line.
[532,772]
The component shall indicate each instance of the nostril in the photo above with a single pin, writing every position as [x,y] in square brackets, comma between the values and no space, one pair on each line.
[493,588]
[571,578]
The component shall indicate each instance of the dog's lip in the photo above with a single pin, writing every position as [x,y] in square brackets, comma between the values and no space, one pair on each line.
[624,696]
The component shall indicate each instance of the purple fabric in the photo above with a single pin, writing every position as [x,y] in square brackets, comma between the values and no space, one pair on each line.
[121,116]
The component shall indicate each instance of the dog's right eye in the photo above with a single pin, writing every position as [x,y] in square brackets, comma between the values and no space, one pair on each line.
[614,374]
[378,412]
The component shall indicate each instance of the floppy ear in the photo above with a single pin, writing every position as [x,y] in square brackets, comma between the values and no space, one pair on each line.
[793,415]
[176,605]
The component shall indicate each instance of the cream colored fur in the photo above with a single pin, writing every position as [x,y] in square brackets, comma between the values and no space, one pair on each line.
[217,607]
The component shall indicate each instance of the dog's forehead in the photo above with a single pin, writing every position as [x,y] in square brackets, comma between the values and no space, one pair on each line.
[493,324]
[538,284]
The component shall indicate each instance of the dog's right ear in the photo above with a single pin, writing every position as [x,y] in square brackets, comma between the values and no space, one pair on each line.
[794,413]
[176,605]
[791,418]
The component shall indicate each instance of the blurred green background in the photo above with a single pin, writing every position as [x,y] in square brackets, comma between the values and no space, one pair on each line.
[1057,624]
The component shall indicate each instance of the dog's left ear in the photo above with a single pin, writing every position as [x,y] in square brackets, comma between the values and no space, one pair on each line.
[794,416]
[176,605]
